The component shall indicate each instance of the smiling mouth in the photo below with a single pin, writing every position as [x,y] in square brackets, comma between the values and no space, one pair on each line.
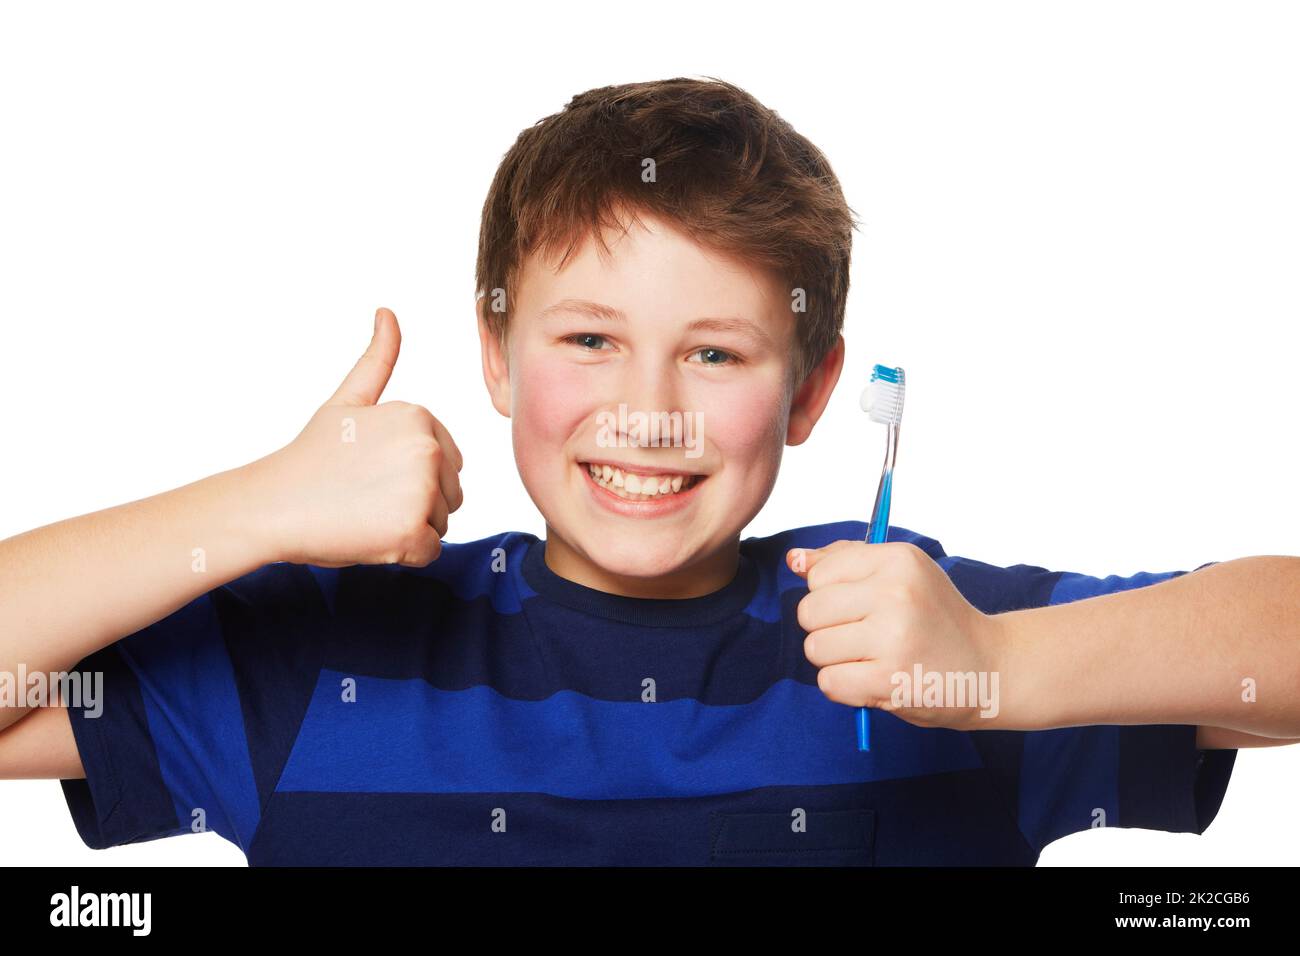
[633,486]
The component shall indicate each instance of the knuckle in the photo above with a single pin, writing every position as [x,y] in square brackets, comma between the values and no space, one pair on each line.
[896,551]
[825,683]
[413,534]
[828,681]
[902,592]
[912,555]
[803,614]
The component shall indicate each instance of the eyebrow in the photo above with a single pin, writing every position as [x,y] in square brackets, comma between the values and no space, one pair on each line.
[607,313]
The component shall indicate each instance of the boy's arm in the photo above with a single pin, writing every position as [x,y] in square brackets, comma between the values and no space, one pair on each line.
[1220,738]
[41,746]
[1218,648]
[361,484]
[73,587]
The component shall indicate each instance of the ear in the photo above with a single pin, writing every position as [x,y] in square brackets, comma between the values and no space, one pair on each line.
[811,397]
[496,368]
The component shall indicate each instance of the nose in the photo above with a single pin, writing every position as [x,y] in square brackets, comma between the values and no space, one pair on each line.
[652,388]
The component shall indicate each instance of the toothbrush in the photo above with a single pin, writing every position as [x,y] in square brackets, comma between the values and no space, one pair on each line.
[882,400]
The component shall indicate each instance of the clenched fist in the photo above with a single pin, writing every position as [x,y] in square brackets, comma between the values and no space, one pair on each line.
[877,616]
[364,483]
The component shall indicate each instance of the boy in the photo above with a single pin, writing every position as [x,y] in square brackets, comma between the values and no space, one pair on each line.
[308,670]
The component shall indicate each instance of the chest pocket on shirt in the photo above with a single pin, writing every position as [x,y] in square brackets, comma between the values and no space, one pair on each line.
[828,838]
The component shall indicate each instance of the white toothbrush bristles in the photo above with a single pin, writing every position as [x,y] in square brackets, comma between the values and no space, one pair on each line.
[883,400]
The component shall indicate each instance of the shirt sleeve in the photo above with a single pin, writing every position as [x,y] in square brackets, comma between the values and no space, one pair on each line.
[191,718]
[1071,779]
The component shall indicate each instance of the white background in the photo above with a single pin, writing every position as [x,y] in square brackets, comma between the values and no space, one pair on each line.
[1079,239]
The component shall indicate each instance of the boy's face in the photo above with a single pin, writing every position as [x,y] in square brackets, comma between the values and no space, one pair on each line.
[569,366]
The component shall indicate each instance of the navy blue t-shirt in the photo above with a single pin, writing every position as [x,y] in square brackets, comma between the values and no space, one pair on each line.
[485,711]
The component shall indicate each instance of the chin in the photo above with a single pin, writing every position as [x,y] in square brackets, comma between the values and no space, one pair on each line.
[641,557]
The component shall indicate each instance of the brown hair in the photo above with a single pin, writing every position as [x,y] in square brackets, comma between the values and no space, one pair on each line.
[729,172]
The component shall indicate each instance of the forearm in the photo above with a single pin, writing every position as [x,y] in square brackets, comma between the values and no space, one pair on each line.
[72,587]
[1186,651]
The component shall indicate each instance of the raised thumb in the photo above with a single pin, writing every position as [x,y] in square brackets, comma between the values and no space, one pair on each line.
[365,383]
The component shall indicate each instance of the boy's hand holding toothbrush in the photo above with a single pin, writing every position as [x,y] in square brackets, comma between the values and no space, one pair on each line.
[874,611]
[363,483]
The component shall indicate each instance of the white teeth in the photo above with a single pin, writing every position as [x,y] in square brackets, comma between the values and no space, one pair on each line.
[637,487]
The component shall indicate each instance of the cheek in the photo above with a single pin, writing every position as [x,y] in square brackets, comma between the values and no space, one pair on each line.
[547,409]
[747,425]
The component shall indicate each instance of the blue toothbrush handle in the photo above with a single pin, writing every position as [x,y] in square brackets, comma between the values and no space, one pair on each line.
[877,533]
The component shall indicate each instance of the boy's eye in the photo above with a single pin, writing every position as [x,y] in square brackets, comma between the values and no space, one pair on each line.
[589,341]
[716,352]
[580,338]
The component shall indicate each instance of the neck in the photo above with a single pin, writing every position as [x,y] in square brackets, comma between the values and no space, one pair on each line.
[705,576]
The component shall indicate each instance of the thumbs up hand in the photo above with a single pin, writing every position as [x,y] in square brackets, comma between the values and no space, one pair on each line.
[364,482]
